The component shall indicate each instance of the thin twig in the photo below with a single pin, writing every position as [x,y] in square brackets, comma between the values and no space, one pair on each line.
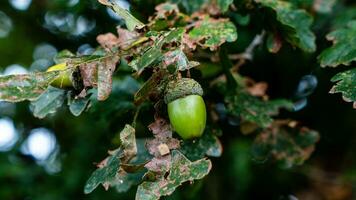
[248,53]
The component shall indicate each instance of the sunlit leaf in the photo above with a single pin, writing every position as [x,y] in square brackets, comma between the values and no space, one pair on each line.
[343,50]
[182,170]
[15,88]
[346,85]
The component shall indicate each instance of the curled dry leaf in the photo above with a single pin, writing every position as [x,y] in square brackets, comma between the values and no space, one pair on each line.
[88,73]
[105,72]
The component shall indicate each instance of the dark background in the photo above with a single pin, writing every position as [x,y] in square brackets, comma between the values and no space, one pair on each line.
[49,26]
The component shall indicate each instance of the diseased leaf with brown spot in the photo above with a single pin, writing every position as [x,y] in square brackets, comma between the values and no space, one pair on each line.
[159,164]
[106,69]
[152,55]
[16,88]
[289,144]
[165,9]
[162,132]
[179,59]
[182,170]
[211,33]
[254,109]
[128,143]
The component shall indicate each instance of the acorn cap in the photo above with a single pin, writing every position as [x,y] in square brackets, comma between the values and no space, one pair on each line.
[181,88]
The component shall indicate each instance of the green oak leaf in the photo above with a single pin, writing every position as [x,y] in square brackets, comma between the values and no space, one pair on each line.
[295,24]
[77,106]
[48,102]
[106,174]
[346,85]
[254,109]
[110,172]
[207,145]
[153,54]
[343,50]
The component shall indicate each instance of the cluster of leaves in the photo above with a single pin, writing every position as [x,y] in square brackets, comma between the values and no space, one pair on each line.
[159,168]
[163,48]
[285,141]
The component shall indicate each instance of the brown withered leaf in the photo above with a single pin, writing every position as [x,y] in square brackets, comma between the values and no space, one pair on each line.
[89,73]
[108,41]
[106,69]
[160,128]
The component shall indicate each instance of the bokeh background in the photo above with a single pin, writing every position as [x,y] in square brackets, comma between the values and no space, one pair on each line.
[52,158]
